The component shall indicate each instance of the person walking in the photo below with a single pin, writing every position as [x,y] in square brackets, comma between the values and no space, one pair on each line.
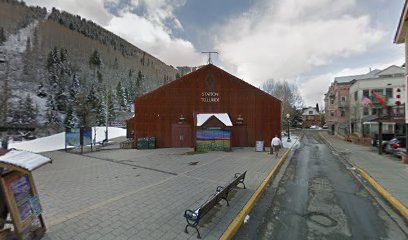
[275,144]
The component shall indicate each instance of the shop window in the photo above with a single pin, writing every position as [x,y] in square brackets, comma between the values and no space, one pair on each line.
[388,92]
[365,111]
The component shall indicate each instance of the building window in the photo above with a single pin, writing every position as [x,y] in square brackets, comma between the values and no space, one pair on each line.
[379,91]
[332,113]
[343,99]
[343,113]
[331,101]
[355,95]
[365,111]
[388,92]
[366,93]
[374,111]
[310,112]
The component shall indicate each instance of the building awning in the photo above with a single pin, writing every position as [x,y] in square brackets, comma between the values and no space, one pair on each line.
[223,117]
[26,161]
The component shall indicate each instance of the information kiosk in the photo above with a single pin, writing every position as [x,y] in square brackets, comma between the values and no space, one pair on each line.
[20,196]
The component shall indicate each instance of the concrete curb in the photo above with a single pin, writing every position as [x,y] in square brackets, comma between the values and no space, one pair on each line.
[384,193]
[239,219]
[388,196]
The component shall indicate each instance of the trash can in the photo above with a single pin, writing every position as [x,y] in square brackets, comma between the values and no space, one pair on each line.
[142,143]
[152,142]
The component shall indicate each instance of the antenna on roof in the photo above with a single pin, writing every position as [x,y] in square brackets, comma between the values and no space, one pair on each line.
[209,56]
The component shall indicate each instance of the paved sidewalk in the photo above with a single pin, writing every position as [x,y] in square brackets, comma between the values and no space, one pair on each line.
[387,170]
[142,194]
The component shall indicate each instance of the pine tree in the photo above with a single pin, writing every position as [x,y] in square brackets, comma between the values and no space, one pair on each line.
[27,61]
[29,112]
[120,97]
[5,93]
[51,111]
[139,84]
[111,106]
[2,36]
[95,63]
[70,119]
[17,114]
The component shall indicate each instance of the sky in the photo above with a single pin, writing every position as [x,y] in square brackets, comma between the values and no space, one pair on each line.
[306,43]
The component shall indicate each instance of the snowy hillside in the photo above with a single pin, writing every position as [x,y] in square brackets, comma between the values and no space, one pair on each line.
[57,141]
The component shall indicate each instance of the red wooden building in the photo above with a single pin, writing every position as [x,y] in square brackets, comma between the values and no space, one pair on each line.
[169,113]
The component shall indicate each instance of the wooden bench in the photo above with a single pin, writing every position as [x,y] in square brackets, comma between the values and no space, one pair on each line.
[193,216]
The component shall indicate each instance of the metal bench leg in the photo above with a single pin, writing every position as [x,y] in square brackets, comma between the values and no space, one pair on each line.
[196,228]
[198,233]
[226,199]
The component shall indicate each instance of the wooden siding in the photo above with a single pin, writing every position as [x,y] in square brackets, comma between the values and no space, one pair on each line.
[157,111]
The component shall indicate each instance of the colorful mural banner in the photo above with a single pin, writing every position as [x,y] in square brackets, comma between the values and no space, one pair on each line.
[213,140]
[213,134]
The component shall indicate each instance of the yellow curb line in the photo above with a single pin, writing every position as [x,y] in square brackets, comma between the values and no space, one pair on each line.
[239,219]
[388,196]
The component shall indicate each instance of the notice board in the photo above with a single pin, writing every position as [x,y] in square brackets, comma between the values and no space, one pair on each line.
[24,205]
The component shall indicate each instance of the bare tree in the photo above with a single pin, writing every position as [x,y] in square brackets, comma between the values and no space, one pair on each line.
[288,93]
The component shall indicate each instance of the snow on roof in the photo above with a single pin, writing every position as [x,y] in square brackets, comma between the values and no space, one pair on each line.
[223,117]
[26,160]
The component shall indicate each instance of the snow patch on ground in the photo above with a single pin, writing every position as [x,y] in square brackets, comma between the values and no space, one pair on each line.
[57,141]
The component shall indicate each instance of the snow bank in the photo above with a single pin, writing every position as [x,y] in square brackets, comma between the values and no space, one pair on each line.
[57,141]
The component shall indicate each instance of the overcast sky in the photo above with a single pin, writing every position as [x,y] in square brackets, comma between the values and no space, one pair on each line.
[304,42]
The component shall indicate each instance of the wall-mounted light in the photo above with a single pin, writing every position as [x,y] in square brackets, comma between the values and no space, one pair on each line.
[240,119]
[181,119]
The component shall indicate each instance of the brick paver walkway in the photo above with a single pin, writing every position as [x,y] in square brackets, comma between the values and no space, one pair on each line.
[142,194]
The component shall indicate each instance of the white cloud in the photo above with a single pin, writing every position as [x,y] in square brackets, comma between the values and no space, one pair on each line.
[90,9]
[155,40]
[287,38]
[151,30]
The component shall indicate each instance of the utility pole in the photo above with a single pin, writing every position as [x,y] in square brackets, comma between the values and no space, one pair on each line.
[209,56]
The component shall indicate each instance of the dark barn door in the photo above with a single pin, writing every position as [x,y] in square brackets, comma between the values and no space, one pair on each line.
[181,135]
[239,136]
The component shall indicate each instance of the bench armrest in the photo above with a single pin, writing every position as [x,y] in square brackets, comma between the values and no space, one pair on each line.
[191,215]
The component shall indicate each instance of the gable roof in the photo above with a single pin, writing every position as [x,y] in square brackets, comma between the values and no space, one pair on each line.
[391,70]
[197,74]
[402,26]
[204,117]
[346,79]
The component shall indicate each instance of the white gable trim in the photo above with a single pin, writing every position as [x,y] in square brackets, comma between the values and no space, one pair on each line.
[223,117]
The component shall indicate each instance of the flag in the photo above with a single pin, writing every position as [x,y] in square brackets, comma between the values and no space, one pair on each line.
[380,98]
[366,101]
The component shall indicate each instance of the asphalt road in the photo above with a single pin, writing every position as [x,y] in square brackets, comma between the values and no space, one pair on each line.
[318,198]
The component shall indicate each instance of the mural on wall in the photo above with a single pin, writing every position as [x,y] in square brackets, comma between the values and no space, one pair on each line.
[213,140]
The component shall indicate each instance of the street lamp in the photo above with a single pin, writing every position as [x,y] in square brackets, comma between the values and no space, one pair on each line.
[288,117]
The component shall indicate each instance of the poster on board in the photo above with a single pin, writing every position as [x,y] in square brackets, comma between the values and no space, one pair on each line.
[87,136]
[73,137]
